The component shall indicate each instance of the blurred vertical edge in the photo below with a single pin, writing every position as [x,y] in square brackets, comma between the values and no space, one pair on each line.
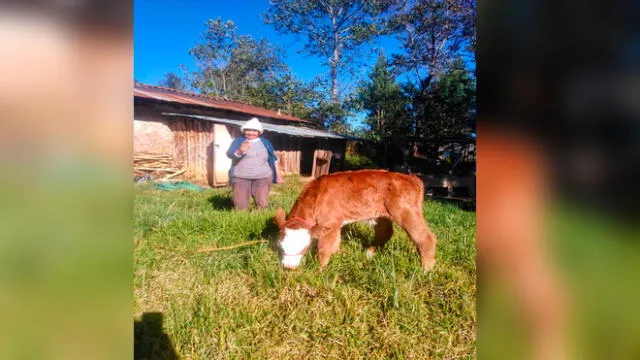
[65,215]
[558,164]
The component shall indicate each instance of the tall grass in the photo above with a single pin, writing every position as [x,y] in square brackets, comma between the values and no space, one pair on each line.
[241,303]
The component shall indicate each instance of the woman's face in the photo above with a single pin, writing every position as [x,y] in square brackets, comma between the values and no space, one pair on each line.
[251,134]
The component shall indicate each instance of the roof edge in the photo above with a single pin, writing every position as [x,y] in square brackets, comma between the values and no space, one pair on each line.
[142,87]
[284,129]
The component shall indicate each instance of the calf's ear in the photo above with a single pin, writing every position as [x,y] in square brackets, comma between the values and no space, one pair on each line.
[280,218]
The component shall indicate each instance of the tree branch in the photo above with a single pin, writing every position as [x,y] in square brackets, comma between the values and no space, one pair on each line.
[347,17]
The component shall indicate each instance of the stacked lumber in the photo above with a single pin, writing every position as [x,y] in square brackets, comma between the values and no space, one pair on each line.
[161,166]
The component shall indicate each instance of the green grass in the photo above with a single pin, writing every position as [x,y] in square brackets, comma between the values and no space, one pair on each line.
[241,303]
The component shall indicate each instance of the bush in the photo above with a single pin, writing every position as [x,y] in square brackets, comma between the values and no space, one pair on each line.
[357,162]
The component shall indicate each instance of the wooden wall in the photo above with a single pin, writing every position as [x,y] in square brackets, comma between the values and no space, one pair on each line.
[309,148]
[288,151]
[194,147]
[289,161]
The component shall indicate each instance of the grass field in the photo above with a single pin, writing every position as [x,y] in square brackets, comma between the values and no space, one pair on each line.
[241,304]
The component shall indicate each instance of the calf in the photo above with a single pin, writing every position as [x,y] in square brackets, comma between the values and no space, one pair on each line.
[331,201]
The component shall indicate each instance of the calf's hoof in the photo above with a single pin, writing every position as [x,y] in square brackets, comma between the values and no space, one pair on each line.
[370,252]
[427,265]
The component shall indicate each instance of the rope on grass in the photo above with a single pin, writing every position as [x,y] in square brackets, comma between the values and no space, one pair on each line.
[209,249]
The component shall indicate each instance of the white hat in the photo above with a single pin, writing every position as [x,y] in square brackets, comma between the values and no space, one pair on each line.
[253,124]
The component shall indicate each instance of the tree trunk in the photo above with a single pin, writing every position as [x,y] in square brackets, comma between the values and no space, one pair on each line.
[334,83]
[422,93]
[335,60]
[386,155]
[212,80]
[224,85]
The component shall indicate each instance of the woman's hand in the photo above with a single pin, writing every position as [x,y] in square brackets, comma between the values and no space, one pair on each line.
[244,147]
[279,179]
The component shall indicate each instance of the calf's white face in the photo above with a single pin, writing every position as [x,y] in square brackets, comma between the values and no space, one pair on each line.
[294,244]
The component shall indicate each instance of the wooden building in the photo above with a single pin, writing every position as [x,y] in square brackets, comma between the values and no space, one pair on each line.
[183,135]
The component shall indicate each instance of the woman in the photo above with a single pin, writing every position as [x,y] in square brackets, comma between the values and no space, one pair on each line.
[253,168]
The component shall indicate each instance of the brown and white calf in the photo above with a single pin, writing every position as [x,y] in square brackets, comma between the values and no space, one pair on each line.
[331,201]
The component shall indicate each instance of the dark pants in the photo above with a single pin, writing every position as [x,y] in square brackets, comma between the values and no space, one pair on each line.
[243,189]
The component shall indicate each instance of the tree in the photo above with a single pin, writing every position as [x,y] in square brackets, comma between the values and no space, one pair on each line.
[232,66]
[434,33]
[386,107]
[436,36]
[330,116]
[172,81]
[241,68]
[334,29]
[213,56]
[447,111]
[286,94]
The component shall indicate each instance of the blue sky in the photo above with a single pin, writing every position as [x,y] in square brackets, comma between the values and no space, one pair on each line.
[165,30]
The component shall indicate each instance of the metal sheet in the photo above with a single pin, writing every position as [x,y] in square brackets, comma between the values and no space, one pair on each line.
[282,129]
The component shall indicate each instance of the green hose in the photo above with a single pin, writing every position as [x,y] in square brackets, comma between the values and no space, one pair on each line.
[176,186]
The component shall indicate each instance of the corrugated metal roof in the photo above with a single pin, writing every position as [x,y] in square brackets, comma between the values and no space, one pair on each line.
[188,98]
[282,129]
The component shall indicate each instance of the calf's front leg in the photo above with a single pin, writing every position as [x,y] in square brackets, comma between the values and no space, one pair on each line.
[328,244]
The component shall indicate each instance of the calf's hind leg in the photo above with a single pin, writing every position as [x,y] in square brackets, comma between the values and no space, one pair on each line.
[383,232]
[424,239]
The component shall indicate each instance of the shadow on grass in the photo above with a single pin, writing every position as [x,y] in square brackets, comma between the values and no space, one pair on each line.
[150,341]
[221,202]
[269,232]
[358,233]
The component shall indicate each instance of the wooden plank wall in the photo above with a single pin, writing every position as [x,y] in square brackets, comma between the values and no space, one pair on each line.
[289,161]
[288,151]
[194,147]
